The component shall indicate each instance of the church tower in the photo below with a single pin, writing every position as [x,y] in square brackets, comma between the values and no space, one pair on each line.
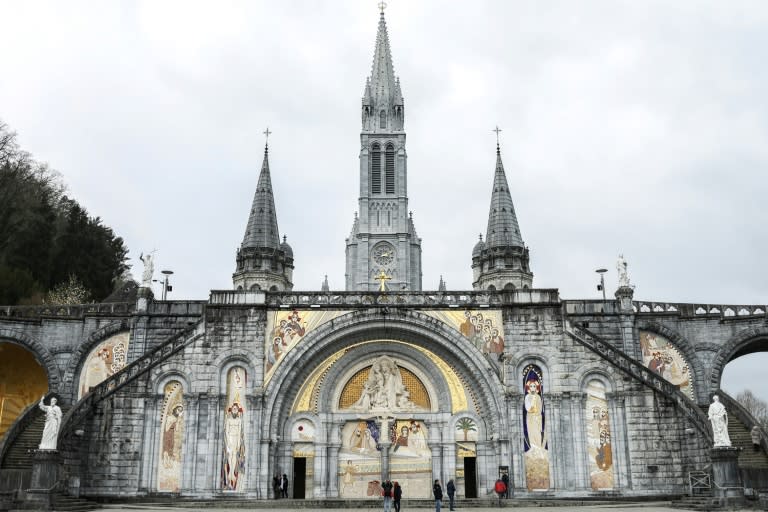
[263,263]
[501,262]
[383,237]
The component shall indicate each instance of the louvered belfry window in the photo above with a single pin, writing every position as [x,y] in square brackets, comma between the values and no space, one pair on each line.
[390,169]
[375,169]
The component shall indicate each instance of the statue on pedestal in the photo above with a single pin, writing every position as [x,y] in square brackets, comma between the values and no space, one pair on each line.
[149,269]
[621,266]
[52,424]
[718,416]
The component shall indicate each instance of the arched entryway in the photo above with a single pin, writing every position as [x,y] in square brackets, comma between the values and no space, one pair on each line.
[23,380]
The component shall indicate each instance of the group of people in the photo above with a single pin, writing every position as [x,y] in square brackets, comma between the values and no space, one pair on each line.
[280,486]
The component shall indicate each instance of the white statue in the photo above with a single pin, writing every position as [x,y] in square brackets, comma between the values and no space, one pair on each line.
[384,388]
[52,424]
[718,416]
[149,269]
[621,266]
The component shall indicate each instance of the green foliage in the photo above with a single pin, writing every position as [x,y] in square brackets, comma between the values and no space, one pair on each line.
[46,237]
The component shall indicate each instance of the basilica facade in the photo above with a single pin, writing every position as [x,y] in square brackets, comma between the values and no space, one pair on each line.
[340,390]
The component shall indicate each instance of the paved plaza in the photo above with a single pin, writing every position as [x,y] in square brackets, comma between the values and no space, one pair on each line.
[645,507]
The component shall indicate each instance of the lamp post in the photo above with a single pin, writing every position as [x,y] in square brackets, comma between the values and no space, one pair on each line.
[601,286]
[167,288]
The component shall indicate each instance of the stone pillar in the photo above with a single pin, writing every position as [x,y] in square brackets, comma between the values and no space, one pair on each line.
[45,475]
[624,296]
[728,486]
[332,490]
[385,444]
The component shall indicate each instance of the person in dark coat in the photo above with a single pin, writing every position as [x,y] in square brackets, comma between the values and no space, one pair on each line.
[386,491]
[505,479]
[437,491]
[276,486]
[451,488]
[284,486]
[397,493]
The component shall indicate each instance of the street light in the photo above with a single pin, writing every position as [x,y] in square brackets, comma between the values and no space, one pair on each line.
[166,287]
[601,286]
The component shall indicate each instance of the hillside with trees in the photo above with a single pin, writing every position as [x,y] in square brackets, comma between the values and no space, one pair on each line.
[51,249]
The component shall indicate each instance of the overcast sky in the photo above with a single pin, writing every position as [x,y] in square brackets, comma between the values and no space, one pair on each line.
[628,127]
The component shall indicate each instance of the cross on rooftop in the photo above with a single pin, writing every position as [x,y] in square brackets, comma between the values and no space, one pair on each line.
[267,133]
[382,6]
[497,130]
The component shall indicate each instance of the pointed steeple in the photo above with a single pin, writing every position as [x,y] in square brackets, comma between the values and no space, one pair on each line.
[382,96]
[441,285]
[325,287]
[501,261]
[263,263]
[383,72]
[262,231]
[503,230]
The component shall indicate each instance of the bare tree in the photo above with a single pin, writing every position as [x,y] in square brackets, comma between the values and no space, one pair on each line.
[757,407]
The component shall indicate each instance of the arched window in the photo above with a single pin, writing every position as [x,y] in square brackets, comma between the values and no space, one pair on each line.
[382,119]
[255,287]
[509,286]
[390,169]
[375,169]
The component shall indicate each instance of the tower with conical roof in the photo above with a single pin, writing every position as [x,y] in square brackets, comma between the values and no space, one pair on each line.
[263,262]
[383,237]
[501,261]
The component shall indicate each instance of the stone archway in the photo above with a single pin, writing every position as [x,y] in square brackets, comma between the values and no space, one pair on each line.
[748,341]
[23,380]
[414,334]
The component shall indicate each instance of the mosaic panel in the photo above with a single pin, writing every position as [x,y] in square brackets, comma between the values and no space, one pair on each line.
[172,437]
[109,357]
[663,358]
[534,436]
[599,437]
[233,454]
[483,328]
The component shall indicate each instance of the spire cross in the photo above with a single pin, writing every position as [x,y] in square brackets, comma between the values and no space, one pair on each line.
[382,6]
[497,130]
[267,133]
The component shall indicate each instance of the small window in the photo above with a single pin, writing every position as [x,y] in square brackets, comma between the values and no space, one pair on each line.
[382,119]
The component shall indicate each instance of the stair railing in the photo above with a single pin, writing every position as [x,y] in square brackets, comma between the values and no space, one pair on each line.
[743,415]
[640,373]
[699,483]
[127,375]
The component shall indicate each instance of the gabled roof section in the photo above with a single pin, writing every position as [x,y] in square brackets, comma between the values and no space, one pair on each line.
[383,84]
[503,230]
[262,231]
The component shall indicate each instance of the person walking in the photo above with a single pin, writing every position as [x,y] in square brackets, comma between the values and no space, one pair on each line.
[505,479]
[756,438]
[437,491]
[276,486]
[397,493]
[284,486]
[451,489]
[386,491]
[500,489]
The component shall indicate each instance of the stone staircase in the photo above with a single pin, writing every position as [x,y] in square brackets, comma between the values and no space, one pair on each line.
[697,503]
[71,504]
[741,438]
[16,456]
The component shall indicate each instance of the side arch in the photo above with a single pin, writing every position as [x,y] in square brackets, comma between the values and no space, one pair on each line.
[42,355]
[747,341]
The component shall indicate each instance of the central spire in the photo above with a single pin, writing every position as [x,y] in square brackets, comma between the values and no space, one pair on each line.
[382,97]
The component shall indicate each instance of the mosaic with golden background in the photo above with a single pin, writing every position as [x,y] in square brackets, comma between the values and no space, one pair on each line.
[599,437]
[233,454]
[483,328]
[663,358]
[109,357]
[286,328]
[171,438]
[22,382]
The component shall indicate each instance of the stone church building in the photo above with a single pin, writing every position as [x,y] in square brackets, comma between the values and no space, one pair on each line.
[340,390]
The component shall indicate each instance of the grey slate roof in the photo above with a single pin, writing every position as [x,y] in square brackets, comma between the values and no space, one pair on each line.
[262,231]
[503,230]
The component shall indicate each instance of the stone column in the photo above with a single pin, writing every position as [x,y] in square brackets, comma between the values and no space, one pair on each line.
[332,490]
[728,486]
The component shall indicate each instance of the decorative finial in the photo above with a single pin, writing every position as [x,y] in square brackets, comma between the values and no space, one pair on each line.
[481,237]
[266,133]
[285,237]
[382,6]
[497,130]
[410,213]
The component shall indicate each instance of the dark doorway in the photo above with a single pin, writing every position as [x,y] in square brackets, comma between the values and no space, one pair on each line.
[299,477]
[470,478]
